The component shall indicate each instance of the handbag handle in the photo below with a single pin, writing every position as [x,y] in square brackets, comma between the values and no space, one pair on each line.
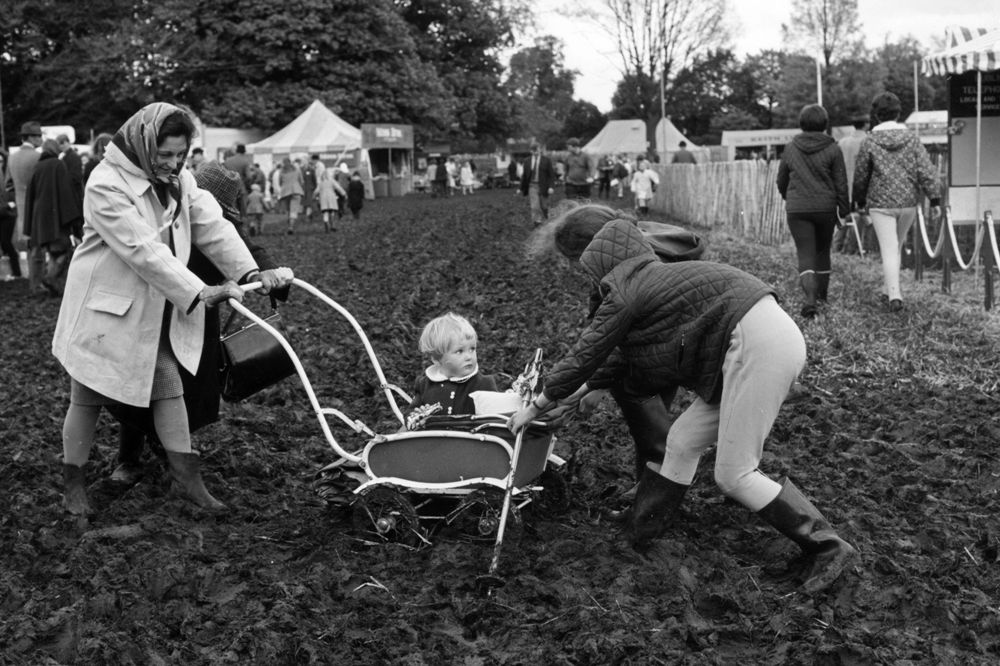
[232,315]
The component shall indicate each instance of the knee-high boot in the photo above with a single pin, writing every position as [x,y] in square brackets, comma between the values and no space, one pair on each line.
[648,422]
[792,514]
[657,500]
[130,444]
[822,286]
[75,490]
[807,280]
[186,471]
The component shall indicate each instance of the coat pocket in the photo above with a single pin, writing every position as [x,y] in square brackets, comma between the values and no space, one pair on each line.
[115,304]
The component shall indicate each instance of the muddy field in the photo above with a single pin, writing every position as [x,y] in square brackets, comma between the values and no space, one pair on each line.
[894,437]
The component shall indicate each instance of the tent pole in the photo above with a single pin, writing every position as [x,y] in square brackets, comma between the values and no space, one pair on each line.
[979,137]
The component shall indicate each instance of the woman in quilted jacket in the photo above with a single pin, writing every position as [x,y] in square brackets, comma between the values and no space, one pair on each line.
[720,333]
[812,179]
[892,171]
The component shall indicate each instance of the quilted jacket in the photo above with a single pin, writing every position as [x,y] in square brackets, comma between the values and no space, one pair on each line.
[812,177]
[658,325]
[892,170]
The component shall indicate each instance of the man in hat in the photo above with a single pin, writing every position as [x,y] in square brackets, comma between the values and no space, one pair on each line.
[537,177]
[21,167]
[579,172]
[74,165]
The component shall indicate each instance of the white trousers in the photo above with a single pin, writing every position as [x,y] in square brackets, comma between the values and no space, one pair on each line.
[891,227]
[766,354]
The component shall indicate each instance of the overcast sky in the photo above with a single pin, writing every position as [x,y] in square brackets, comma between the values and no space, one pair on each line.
[757,24]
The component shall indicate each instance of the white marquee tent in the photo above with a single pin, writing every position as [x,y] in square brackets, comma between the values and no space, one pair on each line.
[619,136]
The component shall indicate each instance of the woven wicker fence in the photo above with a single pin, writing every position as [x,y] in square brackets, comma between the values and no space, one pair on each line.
[738,197]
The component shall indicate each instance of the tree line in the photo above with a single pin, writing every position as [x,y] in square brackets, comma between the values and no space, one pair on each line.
[448,67]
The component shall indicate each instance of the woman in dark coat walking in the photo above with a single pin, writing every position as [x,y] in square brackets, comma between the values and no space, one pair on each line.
[812,179]
[720,333]
[52,215]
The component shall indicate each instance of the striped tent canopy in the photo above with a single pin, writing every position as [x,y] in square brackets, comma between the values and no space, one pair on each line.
[969,49]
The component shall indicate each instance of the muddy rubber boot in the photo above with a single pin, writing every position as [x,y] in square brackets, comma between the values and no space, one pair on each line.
[792,514]
[656,502]
[75,490]
[130,445]
[807,281]
[648,422]
[822,287]
[185,468]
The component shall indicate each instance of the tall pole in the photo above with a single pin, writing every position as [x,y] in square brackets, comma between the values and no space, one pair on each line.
[663,110]
[916,89]
[819,82]
[3,137]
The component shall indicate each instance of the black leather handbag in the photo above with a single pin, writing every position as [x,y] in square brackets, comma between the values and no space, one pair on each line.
[252,359]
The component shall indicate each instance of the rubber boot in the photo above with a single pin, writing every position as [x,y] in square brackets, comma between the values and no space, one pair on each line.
[792,514]
[75,493]
[130,445]
[822,286]
[186,470]
[648,422]
[656,503]
[808,282]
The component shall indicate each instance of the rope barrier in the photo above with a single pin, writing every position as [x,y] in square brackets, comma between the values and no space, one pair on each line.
[993,238]
[933,254]
[980,232]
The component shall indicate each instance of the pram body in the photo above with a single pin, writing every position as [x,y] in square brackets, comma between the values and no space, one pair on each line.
[390,481]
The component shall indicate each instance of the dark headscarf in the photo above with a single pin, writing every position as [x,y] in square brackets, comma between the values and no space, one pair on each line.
[137,139]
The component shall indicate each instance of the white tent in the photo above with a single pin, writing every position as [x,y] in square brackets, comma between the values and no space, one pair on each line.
[619,136]
[668,139]
[317,130]
[972,190]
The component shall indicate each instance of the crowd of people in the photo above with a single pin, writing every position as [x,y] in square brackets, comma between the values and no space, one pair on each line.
[146,237]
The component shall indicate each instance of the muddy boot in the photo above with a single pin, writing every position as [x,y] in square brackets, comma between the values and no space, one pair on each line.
[808,282]
[648,422]
[75,493]
[186,470]
[130,445]
[656,502]
[792,514]
[822,286]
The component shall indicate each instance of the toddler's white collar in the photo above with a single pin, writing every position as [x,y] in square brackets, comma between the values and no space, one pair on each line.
[435,374]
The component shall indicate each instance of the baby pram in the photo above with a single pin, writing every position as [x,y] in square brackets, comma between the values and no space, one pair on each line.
[466,472]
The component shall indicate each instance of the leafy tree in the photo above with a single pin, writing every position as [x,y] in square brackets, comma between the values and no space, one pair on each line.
[541,90]
[701,92]
[655,40]
[830,27]
[583,121]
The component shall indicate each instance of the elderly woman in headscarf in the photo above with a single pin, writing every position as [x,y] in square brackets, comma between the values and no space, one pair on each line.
[133,313]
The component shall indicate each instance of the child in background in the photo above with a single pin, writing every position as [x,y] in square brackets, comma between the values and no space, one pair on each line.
[466,177]
[644,182]
[450,341]
[355,195]
[255,210]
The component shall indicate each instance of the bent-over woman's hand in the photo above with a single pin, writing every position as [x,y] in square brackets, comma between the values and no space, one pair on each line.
[522,417]
[212,296]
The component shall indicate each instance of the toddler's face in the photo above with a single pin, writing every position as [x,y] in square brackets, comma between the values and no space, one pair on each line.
[460,359]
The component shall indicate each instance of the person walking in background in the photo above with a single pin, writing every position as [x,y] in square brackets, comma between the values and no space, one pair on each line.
[605,167]
[74,165]
[328,194]
[291,190]
[356,194]
[892,170]
[196,159]
[52,215]
[850,145]
[579,171]
[97,150]
[20,166]
[8,220]
[812,180]
[537,180]
[309,184]
[622,173]
[440,182]
[240,162]
[255,210]
[644,183]
[683,155]
[465,177]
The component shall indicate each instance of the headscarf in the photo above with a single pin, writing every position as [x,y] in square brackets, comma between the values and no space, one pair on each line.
[137,140]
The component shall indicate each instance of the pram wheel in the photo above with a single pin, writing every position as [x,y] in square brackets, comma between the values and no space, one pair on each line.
[385,514]
[477,516]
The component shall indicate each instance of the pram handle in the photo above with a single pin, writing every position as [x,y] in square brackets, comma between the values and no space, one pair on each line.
[320,412]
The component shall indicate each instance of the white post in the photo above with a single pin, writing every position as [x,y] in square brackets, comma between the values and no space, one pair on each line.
[819,82]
